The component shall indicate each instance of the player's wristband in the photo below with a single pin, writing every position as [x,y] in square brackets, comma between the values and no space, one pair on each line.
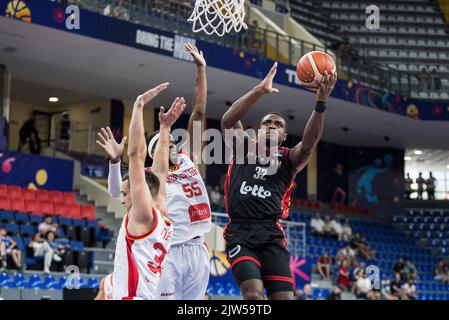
[320,106]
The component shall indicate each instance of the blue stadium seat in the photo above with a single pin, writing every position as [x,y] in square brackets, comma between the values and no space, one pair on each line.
[34,219]
[27,229]
[21,217]
[6,216]
[35,281]
[78,223]
[12,227]
[76,246]
[65,221]
[19,280]
[93,283]
[19,242]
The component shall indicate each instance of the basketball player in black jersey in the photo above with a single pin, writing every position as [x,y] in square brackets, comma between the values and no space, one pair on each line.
[256,198]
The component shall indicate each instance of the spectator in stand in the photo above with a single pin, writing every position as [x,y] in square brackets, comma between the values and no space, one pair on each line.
[396,287]
[399,267]
[420,182]
[29,133]
[216,199]
[336,294]
[47,226]
[59,249]
[116,10]
[305,294]
[440,273]
[344,276]
[324,265]
[327,227]
[436,80]
[336,228]
[410,271]
[424,80]
[409,290]
[317,224]
[385,290]
[363,250]
[408,186]
[41,248]
[347,231]
[348,254]
[9,247]
[363,287]
[430,187]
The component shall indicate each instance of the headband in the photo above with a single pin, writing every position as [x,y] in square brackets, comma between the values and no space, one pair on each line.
[152,142]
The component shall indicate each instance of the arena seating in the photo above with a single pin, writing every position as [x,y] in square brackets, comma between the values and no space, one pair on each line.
[36,281]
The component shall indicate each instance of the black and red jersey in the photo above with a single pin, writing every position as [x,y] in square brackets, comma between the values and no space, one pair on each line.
[252,192]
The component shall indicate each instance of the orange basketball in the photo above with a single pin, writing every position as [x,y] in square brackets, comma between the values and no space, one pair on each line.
[311,67]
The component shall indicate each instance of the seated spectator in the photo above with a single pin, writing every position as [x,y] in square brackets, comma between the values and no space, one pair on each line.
[47,226]
[336,228]
[363,250]
[58,249]
[347,231]
[440,273]
[317,224]
[336,294]
[424,80]
[216,200]
[344,279]
[396,287]
[410,270]
[385,290]
[363,287]
[436,80]
[327,227]
[399,267]
[116,10]
[409,290]
[305,294]
[41,248]
[324,265]
[348,254]
[8,247]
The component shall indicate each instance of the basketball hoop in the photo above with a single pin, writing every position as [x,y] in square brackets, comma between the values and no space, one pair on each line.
[218,16]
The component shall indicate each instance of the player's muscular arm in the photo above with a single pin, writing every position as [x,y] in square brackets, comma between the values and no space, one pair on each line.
[231,119]
[100,295]
[300,154]
[137,150]
[161,153]
[199,97]
[114,151]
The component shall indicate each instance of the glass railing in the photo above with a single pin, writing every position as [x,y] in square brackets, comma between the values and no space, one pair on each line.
[172,15]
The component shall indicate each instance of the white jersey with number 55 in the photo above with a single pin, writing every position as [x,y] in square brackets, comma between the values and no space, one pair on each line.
[187,201]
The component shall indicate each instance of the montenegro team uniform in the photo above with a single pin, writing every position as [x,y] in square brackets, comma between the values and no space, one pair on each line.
[108,287]
[255,201]
[186,273]
[139,260]
[187,267]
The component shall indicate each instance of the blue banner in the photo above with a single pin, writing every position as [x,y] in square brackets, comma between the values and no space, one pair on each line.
[150,39]
[35,172]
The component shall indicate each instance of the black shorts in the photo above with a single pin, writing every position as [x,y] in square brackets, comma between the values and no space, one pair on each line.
[257,251]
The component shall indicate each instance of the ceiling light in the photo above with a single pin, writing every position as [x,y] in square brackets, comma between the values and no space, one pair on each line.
[418,152]
[53,99]
[407,158]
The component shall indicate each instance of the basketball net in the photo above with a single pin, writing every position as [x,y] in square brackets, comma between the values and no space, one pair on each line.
[218,16]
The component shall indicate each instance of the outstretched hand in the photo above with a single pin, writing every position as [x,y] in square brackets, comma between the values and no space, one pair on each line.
[169,118]
[326,86]
[197,55]
[267,83]
[146,97]
[110,146]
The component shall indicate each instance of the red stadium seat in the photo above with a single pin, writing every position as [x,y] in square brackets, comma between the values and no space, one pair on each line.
[43,194]
[18,205]
[60,209]
[14,192]
[33,206]
[88,212]
[56,196]
[29,194]
[3,190]
[5,203]
[69,197]
[46,207]
[74,211]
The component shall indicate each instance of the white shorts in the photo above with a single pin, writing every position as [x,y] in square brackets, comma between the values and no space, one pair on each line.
[186,271]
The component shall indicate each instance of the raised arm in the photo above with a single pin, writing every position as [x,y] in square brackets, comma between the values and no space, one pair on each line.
[199,99]
[300,154]
[142,202]
[114,151]
[231,119]
[161,153]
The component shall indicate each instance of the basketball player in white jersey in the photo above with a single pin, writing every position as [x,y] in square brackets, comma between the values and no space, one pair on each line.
[145,235]
[187,268]
[106,291]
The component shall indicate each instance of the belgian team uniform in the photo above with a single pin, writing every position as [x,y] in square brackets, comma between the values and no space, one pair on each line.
[255,201]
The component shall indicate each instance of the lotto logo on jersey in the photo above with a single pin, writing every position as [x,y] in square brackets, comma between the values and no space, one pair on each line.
[198,212]
[257,191]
